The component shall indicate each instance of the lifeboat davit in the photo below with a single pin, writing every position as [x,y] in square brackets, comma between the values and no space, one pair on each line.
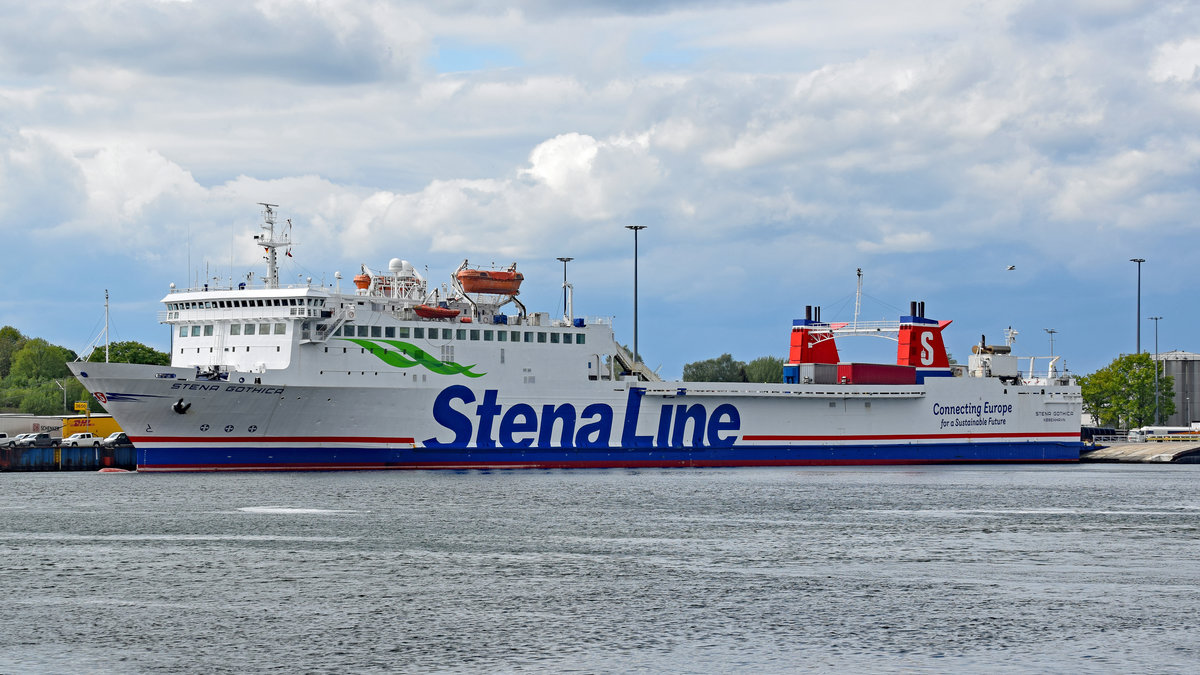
[428,312]
[495,282]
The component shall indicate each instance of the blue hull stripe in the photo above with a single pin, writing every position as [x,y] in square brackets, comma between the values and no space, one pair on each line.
[251,457]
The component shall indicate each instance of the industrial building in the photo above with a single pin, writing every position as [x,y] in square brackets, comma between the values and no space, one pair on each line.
[1185,368]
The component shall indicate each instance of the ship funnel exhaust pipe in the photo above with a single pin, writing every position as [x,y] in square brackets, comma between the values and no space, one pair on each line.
[921,308]
[808,312]
[912,308]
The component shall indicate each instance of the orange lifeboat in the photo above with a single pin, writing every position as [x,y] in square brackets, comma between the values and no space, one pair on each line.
[495,282]
[428,312]
[362,281]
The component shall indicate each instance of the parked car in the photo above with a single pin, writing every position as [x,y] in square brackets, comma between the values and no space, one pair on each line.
[82,438]
[12,441]
[116,439]
[39,440]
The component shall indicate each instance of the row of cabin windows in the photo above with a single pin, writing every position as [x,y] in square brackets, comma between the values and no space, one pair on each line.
[260,302]
[234,329]
[486,334]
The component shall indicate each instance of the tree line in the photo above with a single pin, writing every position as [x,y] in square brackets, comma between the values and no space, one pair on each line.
[35,380]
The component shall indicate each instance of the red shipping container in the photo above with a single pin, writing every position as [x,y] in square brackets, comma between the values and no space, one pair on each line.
[876,373]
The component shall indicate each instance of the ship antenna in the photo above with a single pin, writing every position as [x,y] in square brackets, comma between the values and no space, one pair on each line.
[106,325]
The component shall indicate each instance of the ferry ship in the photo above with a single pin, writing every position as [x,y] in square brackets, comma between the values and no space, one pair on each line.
[399,373]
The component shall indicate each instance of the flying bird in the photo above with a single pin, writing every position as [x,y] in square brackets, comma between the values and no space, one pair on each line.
[1011,267]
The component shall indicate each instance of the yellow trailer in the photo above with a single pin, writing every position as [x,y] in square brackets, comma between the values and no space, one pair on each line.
[98,425]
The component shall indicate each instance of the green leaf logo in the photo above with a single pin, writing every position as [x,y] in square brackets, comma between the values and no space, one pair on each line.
[407,355]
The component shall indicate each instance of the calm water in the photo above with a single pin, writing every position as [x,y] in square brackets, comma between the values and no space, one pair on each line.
[1090,568]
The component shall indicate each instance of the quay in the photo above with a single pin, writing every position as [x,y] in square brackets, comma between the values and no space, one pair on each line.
[1179,451]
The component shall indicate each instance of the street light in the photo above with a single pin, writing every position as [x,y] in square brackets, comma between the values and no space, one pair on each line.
[636,229]
[64,390]
[1139,262]
[567,309]
[1051,331]
[1155,319]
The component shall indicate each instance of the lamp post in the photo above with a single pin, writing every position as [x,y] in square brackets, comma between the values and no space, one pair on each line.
[567,309]
[1051,331]
[636,229]
[1155,319]
[1139,262]
[64,391]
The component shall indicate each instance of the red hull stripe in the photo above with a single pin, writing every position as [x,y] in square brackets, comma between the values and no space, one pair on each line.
[634,464]
[911,437]
[212,440]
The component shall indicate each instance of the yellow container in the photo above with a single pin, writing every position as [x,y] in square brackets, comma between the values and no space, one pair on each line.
[99,425]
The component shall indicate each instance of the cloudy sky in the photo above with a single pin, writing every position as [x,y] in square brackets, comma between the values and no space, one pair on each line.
[771,148]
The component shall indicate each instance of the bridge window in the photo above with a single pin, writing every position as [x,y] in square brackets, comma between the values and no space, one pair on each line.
[195,331]
[183,331]
[208,330]
[249,329]
[281,329]
[235,329]
[264,329]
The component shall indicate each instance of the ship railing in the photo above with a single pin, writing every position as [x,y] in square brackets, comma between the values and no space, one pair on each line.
[865,328]
[237,287]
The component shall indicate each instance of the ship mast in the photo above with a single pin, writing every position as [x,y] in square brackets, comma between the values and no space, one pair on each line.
[269,242]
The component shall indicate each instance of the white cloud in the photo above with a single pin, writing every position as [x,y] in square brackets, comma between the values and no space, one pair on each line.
[778,138]
[1176,61]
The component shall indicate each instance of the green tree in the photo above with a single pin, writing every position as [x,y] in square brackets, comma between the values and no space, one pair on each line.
[1122,393]
[130,352]
[38,360]
[765,369]
[10,341]
[720,369]
[44,399]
